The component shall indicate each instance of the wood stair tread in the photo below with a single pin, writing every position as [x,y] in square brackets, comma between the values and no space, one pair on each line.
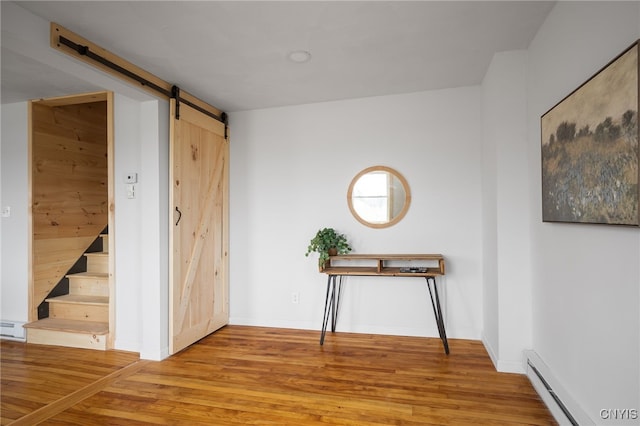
[89,275]
[80,299]
[97,253]
[72,326]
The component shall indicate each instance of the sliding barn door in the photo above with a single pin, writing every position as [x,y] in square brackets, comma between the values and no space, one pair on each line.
[199,290]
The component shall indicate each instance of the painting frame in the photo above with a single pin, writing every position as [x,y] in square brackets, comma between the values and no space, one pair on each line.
[589,148]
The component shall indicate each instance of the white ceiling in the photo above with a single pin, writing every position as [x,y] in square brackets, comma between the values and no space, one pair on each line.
[233,54]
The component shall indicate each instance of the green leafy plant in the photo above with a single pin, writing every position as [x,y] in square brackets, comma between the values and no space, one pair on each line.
[326,241]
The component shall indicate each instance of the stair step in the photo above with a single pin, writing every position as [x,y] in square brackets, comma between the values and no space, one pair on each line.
[70,326]
[97,275]
[70,333]
[89,283]
[97,262]
[80,299]
[79,307]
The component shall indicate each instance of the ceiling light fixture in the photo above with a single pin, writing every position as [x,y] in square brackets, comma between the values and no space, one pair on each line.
[299,56]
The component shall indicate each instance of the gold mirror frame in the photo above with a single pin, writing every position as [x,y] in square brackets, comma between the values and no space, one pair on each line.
[394,217]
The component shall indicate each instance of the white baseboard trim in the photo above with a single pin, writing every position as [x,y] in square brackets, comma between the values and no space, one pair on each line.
[562,406]
[469,334]
[126,345]
[155,355]
[501,365]
[274,323]
[511,367]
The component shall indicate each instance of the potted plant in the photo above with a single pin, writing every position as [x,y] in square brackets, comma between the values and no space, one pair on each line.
[328,242]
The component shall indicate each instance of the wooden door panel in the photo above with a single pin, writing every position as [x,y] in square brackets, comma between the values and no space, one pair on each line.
[199,288]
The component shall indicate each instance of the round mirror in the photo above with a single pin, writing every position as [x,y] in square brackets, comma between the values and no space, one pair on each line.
[379,197]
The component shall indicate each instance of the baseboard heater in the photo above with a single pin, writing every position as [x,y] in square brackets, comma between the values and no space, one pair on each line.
[12,330]
[562,407]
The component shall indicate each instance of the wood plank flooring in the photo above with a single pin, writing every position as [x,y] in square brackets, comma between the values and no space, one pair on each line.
[35,376]
[253,375]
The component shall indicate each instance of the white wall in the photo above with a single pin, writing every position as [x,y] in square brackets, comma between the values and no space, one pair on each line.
[141,228]
[141,234]
[14,231]
[153,292]
[507,271]
[586,278]
[127,225]
[290,170]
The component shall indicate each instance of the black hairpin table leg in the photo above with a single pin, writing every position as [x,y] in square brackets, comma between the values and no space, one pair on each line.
[331,305]
[437,311]
[336,301]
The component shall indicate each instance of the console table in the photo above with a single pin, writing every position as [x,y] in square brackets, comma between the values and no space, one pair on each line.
[381,265]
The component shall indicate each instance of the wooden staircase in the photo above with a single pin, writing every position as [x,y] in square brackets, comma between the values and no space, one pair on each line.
[79,319]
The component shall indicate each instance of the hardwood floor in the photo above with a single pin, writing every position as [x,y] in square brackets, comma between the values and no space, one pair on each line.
[253,375]
[37,376]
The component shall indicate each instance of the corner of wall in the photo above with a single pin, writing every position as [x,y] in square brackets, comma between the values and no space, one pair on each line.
[155,355]
[507,280]
[490,350]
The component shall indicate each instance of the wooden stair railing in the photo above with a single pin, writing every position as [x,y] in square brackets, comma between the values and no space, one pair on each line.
[81,318]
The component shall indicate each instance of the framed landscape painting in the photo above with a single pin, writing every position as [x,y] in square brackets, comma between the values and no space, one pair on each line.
[590,149]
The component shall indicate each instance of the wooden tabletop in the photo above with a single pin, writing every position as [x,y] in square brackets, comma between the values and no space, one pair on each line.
[378,266]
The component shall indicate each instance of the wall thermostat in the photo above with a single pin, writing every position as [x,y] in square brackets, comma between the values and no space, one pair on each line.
[131,178]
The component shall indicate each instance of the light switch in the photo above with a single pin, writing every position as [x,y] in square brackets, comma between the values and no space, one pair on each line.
[131,191]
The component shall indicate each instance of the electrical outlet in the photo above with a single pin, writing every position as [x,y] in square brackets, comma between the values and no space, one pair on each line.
[295,297]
